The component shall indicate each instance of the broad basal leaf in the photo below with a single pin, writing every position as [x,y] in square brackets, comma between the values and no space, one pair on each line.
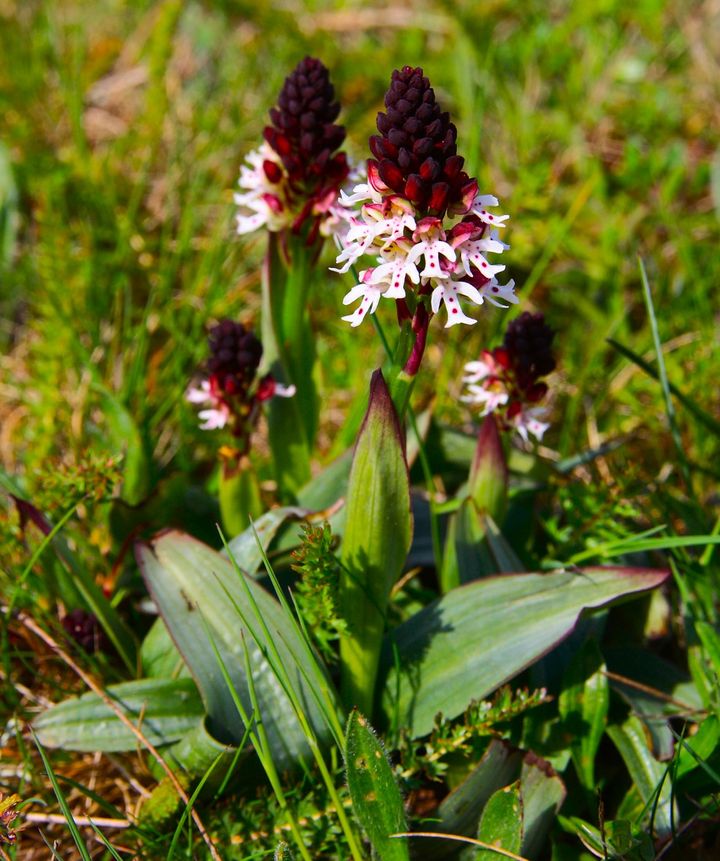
[203,602]
[475,638]
[163,709]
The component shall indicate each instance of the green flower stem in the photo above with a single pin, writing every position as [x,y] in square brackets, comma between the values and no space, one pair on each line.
[297,342]
[287,417]
[240,500]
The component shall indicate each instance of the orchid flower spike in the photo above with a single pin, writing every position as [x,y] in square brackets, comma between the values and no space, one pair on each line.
[506,380]
[420,216]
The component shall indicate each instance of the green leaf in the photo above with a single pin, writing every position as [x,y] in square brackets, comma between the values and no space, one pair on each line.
[376,799]
[654,689]
[62,801]
[543,793]
[159,656]
[506,561]
[710,640]
[619,839]
[699,747]
[588,834]
[291,421]
[583,706]
[126,435]
[247,548]
[163,709]
[477,637]
[377,537]
[460,810]
[501,824]
[327,486]
[470,551]
[203,603]
[649,776]
[197,750]
[487,485]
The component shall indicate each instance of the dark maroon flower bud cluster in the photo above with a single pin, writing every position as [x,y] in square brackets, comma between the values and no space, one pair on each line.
[235,355]
[526,353]
[416,149]
[84,628]
[303,131]
[230,388]
[528,342]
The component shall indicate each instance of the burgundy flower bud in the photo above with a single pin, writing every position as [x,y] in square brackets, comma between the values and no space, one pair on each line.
[528,344]
[84,628]
[303,131]
[235,354]
[416,148]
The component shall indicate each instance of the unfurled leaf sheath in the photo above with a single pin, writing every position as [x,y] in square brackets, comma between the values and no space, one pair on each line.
[375,545]
[489,472]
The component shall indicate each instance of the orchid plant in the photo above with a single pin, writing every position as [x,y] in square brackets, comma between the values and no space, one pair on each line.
[289,190]
[241,662]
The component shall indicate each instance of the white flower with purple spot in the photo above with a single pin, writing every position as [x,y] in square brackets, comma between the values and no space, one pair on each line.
[449,264]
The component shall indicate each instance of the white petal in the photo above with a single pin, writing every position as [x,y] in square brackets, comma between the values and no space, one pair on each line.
[368,305]
[282,391]
[199,394]
[486,200]
[355,293]
[469,291]
[489,218]
[447,294]
[213,419]
[494,292]
[476,371]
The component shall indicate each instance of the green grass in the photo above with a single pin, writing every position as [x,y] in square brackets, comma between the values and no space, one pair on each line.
[124,128]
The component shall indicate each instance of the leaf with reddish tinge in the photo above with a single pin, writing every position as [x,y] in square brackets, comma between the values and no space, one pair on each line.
[479,636]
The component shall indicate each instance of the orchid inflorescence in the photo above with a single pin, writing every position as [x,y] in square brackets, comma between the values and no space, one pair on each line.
[506,380]
[292,180]
[229,387]
[404,215]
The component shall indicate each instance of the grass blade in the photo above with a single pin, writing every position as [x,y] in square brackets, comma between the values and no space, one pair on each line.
[62,801]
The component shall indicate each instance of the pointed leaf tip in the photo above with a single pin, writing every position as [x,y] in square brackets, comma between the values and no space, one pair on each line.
[489,452]
[381,407]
